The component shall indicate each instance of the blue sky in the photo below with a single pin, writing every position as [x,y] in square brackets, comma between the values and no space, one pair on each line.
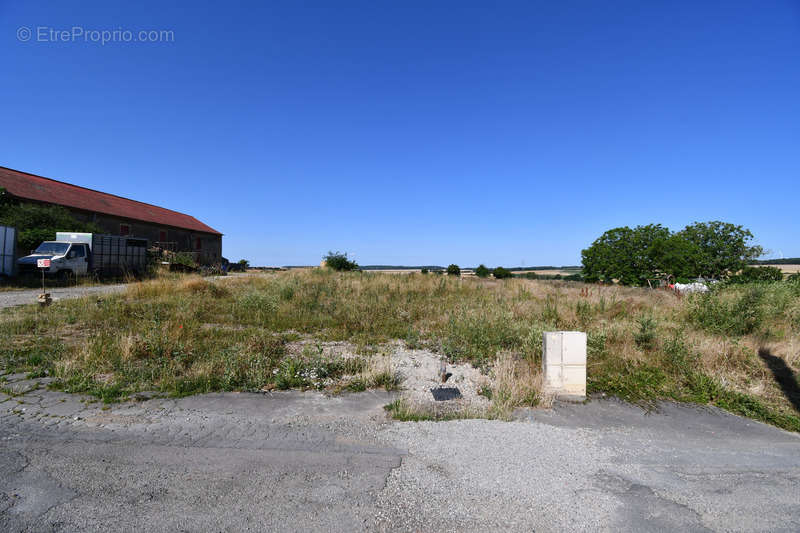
[418,132]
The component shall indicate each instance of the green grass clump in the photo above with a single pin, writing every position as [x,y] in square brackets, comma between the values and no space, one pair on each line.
[316,372]
[404,411]
[477,337]
[34,356]
[645,337]
[755,308]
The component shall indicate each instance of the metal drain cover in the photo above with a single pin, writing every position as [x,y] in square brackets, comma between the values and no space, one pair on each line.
[442,394]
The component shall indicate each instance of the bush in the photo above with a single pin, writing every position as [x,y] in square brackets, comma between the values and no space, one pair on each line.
[453,270]
[750,274]
[236,267]
[732,312]
[183,258]
[482,271]
[645,338]
[424,271]
[501,273]
[339,262]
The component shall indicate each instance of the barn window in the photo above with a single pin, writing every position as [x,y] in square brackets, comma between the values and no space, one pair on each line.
[124,229]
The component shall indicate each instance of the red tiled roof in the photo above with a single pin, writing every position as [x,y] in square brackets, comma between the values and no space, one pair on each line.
[31,187]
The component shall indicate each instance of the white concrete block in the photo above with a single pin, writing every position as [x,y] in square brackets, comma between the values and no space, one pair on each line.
[574,380]
[564,362]
[553,378]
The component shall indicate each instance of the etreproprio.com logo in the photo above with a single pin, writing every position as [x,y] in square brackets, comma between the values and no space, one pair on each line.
[79,34]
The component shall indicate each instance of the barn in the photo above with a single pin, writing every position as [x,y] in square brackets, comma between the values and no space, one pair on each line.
[116,215]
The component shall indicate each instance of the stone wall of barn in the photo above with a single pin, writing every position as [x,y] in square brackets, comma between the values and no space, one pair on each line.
[207,247]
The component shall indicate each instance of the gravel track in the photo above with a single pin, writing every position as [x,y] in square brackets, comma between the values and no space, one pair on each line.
[13,298]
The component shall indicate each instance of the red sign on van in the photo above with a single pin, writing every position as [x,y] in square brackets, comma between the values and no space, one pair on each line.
[43,263]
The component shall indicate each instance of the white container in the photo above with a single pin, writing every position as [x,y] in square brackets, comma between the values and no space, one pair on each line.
[8,250]
[564,363]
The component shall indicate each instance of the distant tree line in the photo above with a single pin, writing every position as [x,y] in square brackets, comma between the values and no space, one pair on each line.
[402,267]
[568,277]
[551,267]
[704,249]
[784,261]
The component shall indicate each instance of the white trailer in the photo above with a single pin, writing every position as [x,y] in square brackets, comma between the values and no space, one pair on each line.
[8,251]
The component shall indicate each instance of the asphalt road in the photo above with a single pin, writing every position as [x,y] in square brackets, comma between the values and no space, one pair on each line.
[302,461]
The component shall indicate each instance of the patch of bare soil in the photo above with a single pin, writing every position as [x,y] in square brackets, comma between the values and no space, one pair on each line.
[422,380]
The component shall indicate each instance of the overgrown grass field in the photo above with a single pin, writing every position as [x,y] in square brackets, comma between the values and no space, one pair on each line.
[736,347]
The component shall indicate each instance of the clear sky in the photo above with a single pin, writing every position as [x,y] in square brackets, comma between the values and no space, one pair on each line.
[416,132]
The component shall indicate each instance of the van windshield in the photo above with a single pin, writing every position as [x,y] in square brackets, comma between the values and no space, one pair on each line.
[54,248]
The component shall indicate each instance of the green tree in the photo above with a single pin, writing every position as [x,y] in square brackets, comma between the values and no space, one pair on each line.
[482,271]
[631,256]
[625,254]
[721,248]
[36,223]
[453,270]
[675,255]
[339,262]
[501,273]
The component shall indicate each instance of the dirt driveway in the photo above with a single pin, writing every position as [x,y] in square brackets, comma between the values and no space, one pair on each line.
[304,461]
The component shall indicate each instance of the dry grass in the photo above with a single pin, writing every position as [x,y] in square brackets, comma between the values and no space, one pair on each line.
[515,383]
[187,334]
